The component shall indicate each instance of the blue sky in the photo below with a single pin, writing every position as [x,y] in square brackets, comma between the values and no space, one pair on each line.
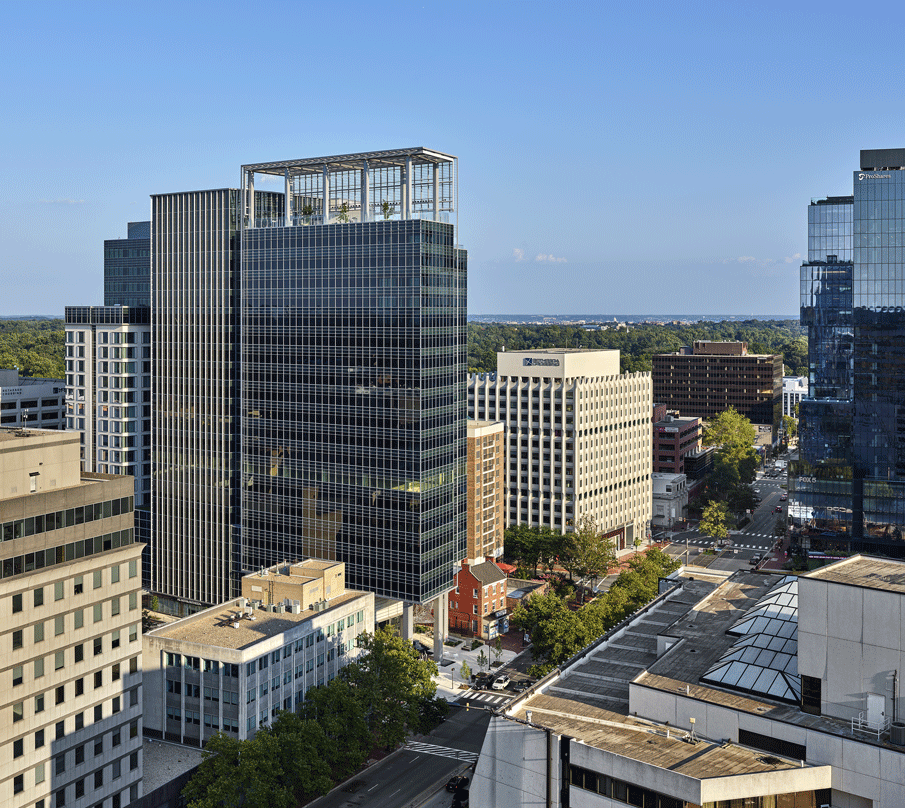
[630,158]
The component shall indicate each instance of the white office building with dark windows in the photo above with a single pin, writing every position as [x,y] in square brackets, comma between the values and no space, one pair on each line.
[578,439]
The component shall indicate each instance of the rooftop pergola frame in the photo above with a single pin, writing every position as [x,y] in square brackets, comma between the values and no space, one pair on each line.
[414,183]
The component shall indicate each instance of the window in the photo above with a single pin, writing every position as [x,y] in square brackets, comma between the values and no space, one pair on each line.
[79,687]
[39,632]
[79,721]
[18,748]
[98,646]
[39,703]
[78,585]
[133,761]
[60,694]
[97,581]
[114,574]
[58,590]
[114,639]
[39,739]
[58,661]
[133,601]
[133,633]
[99,680]
[98,612]
[19,784]
[99,746]
[17,640]
[78,618]
[99,778]
[79,652]
[98,712]
[60,730]
[17,603]
[116,703]
[17,675]
[59,625]
[116,672]
[133,568]
[116,738]
[59,764]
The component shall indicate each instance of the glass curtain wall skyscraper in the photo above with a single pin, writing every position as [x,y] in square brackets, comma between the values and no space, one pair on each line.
[353,371]
[195,430]
[849,484]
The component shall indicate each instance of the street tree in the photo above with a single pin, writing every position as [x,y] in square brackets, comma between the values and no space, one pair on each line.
[390,682]
[533,546]
[735,462]
[714,520]
[336,709]
[496,649]
[591,554]
[483,661]
[465,672]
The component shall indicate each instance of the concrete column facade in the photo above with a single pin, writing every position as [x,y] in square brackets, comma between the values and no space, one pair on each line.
[365,191]
[326,195]
[440,606]
[288,204]
[408,621]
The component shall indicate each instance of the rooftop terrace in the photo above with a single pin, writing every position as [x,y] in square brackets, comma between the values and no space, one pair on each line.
[412,183]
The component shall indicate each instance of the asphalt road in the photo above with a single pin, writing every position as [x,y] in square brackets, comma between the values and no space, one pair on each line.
[755,538]
[412,775]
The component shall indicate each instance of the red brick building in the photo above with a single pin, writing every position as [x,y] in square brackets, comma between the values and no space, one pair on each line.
[673,439]
[478,603]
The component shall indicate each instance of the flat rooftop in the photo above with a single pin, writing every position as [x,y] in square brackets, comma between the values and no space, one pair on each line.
[214,626]
[162,762]
[866,572]
[648,743]
[590,701]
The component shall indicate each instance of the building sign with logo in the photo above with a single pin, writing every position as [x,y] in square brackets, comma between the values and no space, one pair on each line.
[535,362]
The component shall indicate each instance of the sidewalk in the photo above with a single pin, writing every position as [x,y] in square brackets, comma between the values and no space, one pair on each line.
[449,676]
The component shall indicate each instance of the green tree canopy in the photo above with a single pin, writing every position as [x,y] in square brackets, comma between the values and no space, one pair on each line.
[735,462]
[390,682]
[714,520]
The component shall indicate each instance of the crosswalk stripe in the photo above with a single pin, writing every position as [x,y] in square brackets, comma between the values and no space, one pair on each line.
[442,751]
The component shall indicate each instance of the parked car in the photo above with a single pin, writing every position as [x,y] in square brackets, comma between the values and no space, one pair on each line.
[501,682]
[481,681]
[456,783]
[756,560]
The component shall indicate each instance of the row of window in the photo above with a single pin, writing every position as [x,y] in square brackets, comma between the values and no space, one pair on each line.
[63,553]
[78,588]
[57,520]
[78,720]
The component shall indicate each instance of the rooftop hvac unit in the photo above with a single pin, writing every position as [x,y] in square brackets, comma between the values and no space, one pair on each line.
[235,625]
[296,607]
[280,609]
[243,603]
[897,733]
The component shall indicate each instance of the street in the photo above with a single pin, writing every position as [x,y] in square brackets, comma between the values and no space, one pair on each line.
[411,776]
[753,539]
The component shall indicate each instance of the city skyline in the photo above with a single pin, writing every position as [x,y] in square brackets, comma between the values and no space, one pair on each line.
[609,150]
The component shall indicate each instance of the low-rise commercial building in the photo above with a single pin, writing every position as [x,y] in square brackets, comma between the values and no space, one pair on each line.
[234,666]
[794,388]
[674,438]
[478,603]
[38,403]
[670,498]
[754,689]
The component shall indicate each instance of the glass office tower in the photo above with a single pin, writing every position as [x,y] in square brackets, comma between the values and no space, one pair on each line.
[847,491]
[195,394]
[127,267]
[353,371]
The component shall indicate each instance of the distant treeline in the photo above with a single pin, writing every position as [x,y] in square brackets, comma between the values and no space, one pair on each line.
[639,343]
[36,347]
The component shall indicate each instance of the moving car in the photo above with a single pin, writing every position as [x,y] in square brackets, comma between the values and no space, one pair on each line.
[777,509]
[501,682]
[783,497]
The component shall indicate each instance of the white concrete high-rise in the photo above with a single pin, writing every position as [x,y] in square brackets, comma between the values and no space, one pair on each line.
[578,439]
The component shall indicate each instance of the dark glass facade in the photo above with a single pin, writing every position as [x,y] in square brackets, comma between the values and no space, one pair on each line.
[195,412]
[849,484]
[127,268]
[353,395]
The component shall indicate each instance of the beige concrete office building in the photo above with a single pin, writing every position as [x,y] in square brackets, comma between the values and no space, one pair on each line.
[578,438]
[234,666]
[70,624]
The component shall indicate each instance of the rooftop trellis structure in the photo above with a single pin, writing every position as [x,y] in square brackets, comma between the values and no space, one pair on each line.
[414,183]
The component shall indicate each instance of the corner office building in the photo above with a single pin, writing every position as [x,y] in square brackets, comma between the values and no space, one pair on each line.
[335,426]
[848,489]
[70,629]
[579,438]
